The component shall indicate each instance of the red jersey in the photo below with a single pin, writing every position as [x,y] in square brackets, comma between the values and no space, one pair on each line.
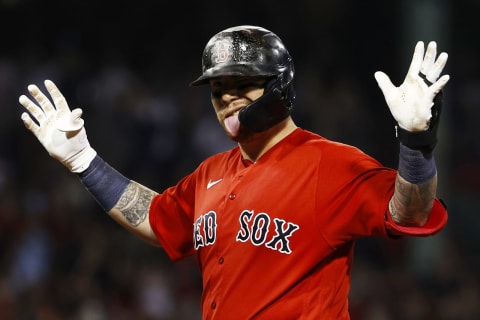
[274,239]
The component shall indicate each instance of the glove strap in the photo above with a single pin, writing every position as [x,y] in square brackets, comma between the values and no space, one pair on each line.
[424,141]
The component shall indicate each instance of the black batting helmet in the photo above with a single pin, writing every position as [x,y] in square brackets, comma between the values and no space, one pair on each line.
[253,51]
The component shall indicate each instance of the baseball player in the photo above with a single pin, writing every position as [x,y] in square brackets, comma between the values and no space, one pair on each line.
[273,221]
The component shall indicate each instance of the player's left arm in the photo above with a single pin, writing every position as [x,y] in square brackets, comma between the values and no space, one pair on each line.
[416,106]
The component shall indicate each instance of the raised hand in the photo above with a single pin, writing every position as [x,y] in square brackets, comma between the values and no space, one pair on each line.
[59,130]
[411,102]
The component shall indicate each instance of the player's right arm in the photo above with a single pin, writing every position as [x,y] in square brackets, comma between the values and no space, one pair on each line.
[61,132]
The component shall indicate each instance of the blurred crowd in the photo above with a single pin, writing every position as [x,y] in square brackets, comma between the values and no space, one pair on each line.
[61,257]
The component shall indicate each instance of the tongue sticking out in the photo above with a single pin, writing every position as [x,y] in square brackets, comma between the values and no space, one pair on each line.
[233,124]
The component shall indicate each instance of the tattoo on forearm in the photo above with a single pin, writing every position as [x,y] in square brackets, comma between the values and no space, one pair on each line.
[135,203]
[412,203]
[393,211]
[405,192]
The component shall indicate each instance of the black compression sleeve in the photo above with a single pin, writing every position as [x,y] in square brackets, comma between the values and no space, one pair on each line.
[416,166]
[104,183]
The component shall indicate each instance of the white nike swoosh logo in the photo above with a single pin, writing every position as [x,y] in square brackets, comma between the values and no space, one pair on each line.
[212,183]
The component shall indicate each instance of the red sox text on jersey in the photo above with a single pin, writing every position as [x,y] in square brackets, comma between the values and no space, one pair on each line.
[252,227]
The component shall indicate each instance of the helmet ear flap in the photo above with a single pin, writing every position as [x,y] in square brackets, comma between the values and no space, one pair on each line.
[284,84]
[289,96]
[274,83]
[284,87]
[272,107]
[266,111]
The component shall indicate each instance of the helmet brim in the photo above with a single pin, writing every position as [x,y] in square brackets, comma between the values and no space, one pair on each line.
[237,70]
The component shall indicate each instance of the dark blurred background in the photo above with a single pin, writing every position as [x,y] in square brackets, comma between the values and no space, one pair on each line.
[128,64]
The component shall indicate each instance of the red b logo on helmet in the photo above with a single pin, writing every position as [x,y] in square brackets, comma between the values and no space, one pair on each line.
[222,51]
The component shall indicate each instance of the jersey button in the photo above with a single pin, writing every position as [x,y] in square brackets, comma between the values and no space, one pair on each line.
[221,260]
[231,196]
[213,305]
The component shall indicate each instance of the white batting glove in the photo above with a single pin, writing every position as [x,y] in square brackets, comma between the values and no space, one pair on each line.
[59,130]
[411,102]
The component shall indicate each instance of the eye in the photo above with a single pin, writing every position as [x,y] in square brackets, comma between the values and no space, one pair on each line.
[216,89]
[216,93]
[251,84]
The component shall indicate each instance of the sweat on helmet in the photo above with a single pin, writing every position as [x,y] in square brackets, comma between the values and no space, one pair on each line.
[253,51]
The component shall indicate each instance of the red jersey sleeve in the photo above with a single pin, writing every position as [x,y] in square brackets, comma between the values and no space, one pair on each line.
[171,218]
[362,189]
[436,222]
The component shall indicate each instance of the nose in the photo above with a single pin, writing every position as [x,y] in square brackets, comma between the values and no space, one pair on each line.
[226,94]
[229,94]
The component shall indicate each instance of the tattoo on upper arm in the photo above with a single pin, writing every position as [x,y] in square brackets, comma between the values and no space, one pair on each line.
[135,203]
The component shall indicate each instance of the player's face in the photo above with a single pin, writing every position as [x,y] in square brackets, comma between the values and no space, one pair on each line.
[229,95]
